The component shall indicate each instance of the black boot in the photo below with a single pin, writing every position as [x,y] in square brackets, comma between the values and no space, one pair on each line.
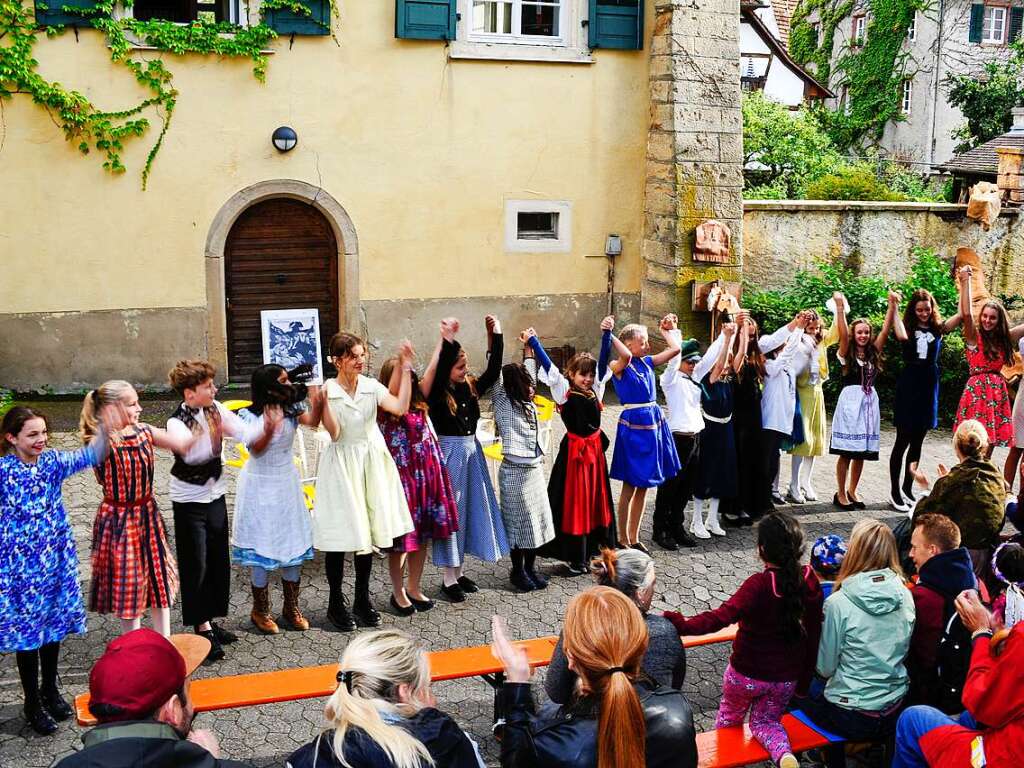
[362,608]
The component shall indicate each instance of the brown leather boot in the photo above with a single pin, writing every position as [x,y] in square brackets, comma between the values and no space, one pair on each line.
[291,616]
[261,611]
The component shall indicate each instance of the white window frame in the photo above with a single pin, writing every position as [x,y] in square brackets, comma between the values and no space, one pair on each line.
[571,47]
[907,96]
[561,244]
[912,30]
[987,26]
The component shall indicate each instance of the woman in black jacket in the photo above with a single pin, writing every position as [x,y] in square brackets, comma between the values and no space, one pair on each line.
[383,713]
[619,717]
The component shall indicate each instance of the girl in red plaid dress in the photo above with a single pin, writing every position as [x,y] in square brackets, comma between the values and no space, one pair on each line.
[132,566]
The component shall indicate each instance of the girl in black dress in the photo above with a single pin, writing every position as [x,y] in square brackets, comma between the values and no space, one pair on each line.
[916,409]
[579,490]
[752,452]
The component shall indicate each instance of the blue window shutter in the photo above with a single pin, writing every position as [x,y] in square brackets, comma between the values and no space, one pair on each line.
[1016,17]
[285,21]
[50,13]
[425,19]
[977,19]
[616,24]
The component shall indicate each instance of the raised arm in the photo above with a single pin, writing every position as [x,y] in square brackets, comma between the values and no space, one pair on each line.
[728,333]
[495,351]
[668,324]
[840,321]
[397,404]
[966,313]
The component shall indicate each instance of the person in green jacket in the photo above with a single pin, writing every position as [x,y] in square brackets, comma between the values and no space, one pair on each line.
[972,494]
[869,619]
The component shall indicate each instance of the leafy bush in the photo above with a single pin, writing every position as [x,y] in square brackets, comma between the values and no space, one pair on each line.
[852,182]
[868,296]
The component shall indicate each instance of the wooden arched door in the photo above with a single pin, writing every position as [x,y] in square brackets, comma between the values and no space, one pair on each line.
[280,254]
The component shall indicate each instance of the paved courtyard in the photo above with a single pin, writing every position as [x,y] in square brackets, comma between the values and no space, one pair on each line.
[689,581]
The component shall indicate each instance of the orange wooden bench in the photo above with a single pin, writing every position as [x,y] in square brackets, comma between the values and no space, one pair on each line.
[315,682]
[734,746]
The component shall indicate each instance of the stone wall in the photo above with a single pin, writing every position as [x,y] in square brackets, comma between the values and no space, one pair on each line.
[873,238]
[694,168]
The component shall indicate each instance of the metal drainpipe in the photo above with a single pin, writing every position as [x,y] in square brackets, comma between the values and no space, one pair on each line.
[935,86]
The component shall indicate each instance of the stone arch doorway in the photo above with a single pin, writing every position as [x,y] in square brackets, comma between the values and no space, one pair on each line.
[272,230]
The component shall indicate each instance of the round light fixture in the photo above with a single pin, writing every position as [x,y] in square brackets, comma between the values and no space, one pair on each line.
[284,139]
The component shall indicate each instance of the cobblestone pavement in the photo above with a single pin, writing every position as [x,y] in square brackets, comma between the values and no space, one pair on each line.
[690,581]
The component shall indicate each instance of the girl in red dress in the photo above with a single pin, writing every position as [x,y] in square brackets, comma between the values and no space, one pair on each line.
[132,565]
[990,343]
[579,489]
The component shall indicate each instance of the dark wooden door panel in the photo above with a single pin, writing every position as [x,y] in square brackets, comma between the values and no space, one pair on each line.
[280,254]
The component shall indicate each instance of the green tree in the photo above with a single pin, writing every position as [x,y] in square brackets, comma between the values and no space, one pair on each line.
[783,150]
[986,101]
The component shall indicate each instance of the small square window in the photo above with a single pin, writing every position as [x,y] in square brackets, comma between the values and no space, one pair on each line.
[537,226]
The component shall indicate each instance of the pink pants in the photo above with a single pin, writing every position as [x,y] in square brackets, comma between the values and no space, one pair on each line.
[767,703]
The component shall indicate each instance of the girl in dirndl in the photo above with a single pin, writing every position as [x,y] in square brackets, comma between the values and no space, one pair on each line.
[856,424]
[454,411]
[579,491]
[645,452]
[428,490]
[272,529]
[916,408]
[132,566]
[990,345]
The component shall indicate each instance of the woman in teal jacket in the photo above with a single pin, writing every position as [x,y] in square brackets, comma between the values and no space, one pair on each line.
[865,638]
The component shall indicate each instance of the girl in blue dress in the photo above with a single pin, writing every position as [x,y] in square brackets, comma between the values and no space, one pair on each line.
[40,599]
[645,453]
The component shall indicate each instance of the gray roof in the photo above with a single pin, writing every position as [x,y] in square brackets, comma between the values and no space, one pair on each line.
[983,160]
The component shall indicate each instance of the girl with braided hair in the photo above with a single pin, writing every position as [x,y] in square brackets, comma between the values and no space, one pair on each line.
[779,616]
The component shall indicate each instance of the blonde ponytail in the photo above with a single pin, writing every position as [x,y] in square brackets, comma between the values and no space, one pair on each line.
[373,667]
[108,393]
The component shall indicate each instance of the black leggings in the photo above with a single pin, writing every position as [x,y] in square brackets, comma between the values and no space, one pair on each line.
[908,441]
[28,670]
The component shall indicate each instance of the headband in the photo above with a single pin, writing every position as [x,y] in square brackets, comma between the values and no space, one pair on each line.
[995,565]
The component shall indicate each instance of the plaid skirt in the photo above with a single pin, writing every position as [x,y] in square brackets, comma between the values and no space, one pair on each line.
[525,507]
[132,566]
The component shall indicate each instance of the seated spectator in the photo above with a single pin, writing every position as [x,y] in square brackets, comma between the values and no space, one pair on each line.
[864,640]
[619,718]
[972,494]
[138,691]
[779,615]
[382,714]
[1008,568]
[826,558]
[632,573]
[927,737]
[944,570]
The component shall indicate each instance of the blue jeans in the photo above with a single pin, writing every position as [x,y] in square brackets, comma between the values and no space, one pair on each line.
[260,578]
[914,723]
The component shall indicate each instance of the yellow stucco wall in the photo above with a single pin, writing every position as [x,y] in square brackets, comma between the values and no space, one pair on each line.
[421,151]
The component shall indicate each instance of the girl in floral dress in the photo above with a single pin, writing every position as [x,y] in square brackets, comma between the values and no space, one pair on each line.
[990,344]
[428,490]
[40,600]
[132,565]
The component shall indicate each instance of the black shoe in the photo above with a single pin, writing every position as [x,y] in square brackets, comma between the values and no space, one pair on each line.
[468,585]
[223,636]
[407,610]
[539,582]
[216,649]
[338,615]
[665,541]
[39,719]
[455,592]
[576,569]
[640,547]
[365,614]
[55,704]
[845,507]
[521,581]
[421,606]
[684,539]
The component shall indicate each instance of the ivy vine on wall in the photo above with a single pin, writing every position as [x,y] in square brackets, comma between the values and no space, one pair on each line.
[86,124]
[871,70]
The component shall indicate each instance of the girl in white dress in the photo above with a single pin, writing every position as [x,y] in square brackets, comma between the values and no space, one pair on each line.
[360,503]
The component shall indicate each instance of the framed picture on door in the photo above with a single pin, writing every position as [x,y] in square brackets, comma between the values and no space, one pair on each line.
[291,337]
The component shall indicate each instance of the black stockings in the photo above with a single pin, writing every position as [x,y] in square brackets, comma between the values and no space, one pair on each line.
[908,441]
[29,663]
